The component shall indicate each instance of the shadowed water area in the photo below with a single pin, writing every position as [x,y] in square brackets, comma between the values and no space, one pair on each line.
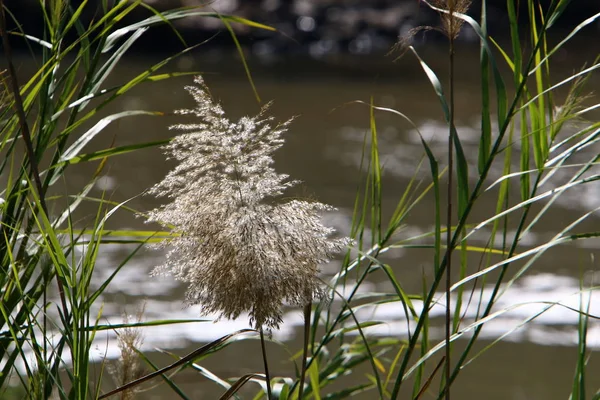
[323,149]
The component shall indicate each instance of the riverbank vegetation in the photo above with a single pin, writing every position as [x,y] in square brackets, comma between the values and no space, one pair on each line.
[50,315]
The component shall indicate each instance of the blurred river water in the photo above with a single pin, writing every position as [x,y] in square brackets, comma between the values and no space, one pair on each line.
[323,149]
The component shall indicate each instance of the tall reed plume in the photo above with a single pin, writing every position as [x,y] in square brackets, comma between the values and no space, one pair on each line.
[238,246]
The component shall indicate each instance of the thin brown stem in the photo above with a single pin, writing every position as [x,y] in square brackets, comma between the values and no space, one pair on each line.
[266,363]
[307,309]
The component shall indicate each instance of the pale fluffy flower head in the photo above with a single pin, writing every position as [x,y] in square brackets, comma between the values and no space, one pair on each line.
[238,247]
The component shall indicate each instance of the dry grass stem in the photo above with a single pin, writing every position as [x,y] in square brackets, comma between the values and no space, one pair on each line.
[128,366]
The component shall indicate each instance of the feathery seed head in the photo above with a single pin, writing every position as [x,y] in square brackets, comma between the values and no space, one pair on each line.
[238,248]
[451,24]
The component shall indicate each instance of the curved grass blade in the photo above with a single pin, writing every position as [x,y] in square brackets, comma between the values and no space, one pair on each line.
[114,151]
[462,167]
[547,306]
[210,376]
[580,74]
[366,344]
[238,385]
[76,147]
[348,392]
[167,379]
[174,15]
[195,354]
[574,32]
[483,321]
[532,200]
[537,252]
[242,57]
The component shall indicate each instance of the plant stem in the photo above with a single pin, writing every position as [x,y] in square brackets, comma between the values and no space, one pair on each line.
[307,309]
[453,25]
[264,354]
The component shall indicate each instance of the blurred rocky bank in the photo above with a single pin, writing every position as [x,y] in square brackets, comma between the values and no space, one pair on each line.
[312,27]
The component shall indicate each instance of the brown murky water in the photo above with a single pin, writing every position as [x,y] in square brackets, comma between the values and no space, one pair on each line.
[323,150]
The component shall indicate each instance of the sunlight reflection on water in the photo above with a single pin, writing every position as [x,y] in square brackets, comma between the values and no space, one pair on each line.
[530,295]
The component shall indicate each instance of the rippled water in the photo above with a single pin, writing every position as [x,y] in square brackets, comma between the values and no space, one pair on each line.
[323,150]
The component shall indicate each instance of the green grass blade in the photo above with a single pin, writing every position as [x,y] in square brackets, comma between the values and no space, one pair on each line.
[485,140]
[173,15]
[115,151]
[176,389]
[85,138]
[242,58]
[462,167]
[239,384]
